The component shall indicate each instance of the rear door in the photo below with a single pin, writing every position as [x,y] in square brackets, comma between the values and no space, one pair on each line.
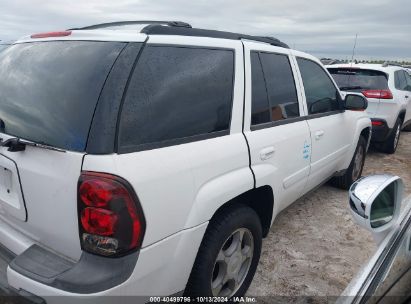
[48,94]
[330,126]
[274,124]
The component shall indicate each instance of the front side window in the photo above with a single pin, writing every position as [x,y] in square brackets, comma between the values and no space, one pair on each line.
[176,93]
[321,94]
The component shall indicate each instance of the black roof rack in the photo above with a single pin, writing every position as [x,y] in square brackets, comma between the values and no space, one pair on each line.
[155,29]
[184,29]
[121,23]
[387,63]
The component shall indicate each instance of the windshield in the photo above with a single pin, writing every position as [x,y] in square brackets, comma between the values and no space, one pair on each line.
[49,90]
[359,79]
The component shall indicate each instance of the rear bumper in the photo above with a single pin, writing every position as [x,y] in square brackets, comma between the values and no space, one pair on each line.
[9,293]
[380,133]
[162,269]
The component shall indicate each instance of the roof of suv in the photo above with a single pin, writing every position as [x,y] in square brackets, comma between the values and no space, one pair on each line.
[128,30]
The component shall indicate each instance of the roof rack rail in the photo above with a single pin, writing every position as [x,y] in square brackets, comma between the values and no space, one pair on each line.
[121,23]
[155,29]
[387,63]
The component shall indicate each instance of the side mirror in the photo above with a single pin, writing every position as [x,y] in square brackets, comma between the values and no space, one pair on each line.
[375,203]
[355,102]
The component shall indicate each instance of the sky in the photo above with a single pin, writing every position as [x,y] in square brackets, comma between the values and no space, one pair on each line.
[322,28]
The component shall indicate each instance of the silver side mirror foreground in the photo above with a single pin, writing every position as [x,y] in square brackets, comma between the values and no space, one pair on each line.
[375,203]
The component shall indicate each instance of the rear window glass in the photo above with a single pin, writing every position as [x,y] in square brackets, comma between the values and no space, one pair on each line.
[49,90]
[359,79]
[175,95]
[2,47]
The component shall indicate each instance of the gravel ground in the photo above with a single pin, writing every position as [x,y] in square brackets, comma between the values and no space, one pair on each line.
[314,248]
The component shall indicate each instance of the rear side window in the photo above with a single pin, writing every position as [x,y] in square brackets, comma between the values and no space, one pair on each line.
[260,107]
[49,90]
[274,96]
[400,80]
[359,79]
[280,86]
[176,95]
[321,94]
[408,77]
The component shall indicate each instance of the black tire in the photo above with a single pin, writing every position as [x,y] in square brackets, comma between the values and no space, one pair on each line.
[219,230]
[354,171]
[407,128]
[391,144]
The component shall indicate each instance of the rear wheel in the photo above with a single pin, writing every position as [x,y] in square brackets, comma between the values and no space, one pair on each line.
[407,128]
[354,171]
[391,144]
[228,256]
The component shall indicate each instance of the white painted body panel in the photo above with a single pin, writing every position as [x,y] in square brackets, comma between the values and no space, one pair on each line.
[49,187]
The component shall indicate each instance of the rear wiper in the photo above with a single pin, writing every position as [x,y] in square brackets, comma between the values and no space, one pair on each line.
[15,144]
[351,88]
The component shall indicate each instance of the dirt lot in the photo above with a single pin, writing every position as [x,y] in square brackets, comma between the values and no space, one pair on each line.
[314,248]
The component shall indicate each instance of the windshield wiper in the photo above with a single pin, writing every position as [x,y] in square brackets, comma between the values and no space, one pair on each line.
[15,144]
[351,88]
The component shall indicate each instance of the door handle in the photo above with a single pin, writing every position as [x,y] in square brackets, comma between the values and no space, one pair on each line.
[267,153]
[319,134]
[406,96]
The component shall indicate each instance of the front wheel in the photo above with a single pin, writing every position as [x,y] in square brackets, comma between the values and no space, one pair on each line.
[228,256]
[354,171]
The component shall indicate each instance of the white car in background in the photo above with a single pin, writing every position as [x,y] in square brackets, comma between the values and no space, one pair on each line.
[388,89]
[376,205]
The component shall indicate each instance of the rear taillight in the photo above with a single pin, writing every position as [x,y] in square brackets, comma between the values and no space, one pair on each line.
[377,123]
[51,34]
[110,216]
[378,94]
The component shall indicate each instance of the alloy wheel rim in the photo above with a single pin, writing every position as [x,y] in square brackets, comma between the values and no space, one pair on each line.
[397,137]
[232,263]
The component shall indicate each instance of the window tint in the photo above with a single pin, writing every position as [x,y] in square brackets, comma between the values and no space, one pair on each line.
[49,90]
[260,108]
[320,92]
[408,77]
[359,79]
[280,84]
[400,80]
[176,93]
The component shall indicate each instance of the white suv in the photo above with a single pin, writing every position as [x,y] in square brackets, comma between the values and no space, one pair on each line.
[151,159]
[388,89]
